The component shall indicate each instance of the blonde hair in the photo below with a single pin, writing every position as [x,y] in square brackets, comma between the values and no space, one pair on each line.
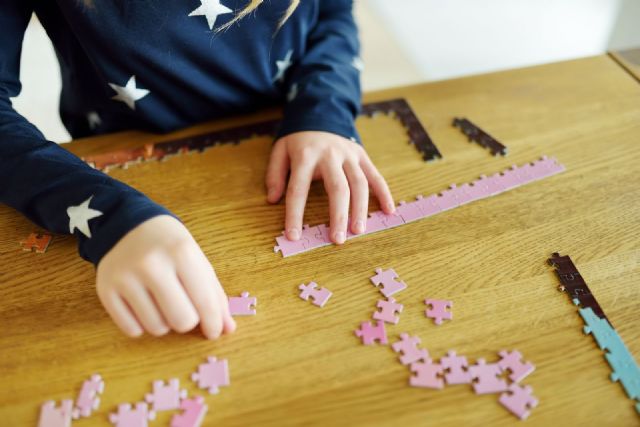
[251,7]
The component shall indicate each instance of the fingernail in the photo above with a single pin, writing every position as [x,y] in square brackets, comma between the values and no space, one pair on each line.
[391,207]
[339,237]
[294,234]
[270,192]
[359,226]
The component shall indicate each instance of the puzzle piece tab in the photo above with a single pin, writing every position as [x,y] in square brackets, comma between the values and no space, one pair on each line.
[130,417]
[487,376]
[244,305]
[36,242]
[319,297]
[166,397]
[388,310]
[456,369]
[512,361]
[52,416]
[88,399]
[387,279]
[428,375]
[194,410]
[408,346]
[438,310]
[370,334]
[519,400]
[212,374]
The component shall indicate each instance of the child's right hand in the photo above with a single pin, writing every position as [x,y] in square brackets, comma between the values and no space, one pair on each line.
[157,278]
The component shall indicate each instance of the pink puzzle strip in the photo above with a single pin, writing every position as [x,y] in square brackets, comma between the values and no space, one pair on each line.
[424,207]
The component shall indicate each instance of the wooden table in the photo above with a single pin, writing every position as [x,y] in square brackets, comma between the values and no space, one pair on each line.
[629,59]
[295,364]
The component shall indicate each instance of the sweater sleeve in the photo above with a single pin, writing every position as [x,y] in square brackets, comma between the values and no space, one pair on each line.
[45,182]
[324,86]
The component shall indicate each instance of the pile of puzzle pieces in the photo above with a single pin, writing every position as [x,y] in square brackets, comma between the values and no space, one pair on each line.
[423,207]
[451,369]
[168,396]
[624,367]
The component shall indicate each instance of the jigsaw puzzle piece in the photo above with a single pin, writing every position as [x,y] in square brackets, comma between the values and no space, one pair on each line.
[438,311]
[132,417]
[166,397]
[456,371]
[88,399]
[447,199]
[409,211]
[290,247]
[388,310]
[487,376]
[369,334]
[427,375]
[36,242]
[244,305]
[408,346]
[626,371]
[428,205]
[212,374]
[388,280]
[519,400]
[316,236]
[52,416]
[318,297]
[513,362]
[193,412]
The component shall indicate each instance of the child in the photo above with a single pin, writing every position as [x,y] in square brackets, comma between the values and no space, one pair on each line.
[161,65]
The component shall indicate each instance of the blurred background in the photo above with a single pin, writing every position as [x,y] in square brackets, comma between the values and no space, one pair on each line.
[410,41]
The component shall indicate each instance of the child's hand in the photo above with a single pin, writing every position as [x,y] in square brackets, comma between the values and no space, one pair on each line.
[156,278]
[346,170]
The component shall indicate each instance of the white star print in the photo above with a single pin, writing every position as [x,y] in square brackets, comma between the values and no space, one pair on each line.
[129,94]
[80,215]
[211,9]
[293,92]
[94,119]
[357,63]
[283,65]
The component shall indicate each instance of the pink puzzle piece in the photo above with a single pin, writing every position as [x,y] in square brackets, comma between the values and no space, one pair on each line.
[194,410]
[370,334]
[319,297]
[244,305]
[427,375]
[409,211]
[438,310]
[290,247]
[52,416]
[428,205]
[88,399]
[408,346]
[212,374]
[387,278]
[388,310]
[317,236]
[378,220]
[512,361]
[447,199]
[130,417]
[487,377]
[456,367]
[166,397]
[510,178]
[519,400]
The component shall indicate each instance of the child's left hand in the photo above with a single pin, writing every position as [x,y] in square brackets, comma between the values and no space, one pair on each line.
[344,167]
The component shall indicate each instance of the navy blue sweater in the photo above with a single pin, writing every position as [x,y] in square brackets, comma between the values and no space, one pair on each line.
[158,65]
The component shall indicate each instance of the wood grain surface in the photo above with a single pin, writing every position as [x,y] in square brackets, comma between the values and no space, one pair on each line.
[296,364]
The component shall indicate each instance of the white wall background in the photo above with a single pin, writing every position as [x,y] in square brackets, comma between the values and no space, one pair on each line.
[406,41]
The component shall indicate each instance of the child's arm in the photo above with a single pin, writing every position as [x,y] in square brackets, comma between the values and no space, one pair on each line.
[59,192]
[318,126]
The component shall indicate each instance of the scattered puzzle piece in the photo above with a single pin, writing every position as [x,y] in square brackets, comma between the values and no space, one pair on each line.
[487,377]
[512,361]
[36,242]
[319,297]
[212,374]
[130,417]
[88,399]
[387,278]
[244,305]
[474,133]
[456,367]
[428,375]
[194,410]
[438,310]
[388,310]
[166,397]
[408,346]
[52,416]
[370,334]
[519,400]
